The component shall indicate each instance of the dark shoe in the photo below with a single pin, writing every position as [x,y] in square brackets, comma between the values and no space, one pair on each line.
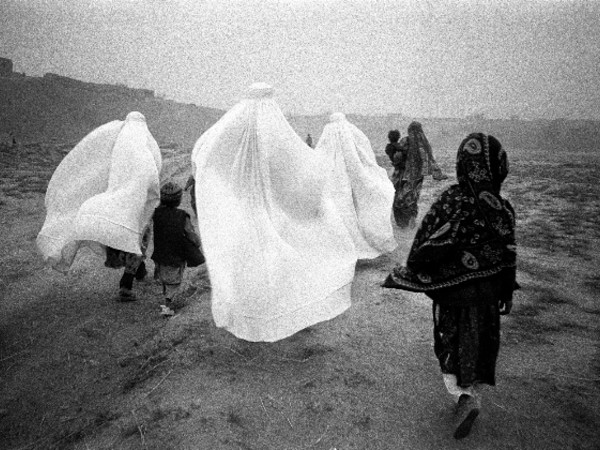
[467,412]
[126,295]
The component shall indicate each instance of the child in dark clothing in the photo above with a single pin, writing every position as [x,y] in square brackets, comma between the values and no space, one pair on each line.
[397,154]
[172,226]
[464,258]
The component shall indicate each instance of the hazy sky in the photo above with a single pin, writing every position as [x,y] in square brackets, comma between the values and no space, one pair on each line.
[533,58]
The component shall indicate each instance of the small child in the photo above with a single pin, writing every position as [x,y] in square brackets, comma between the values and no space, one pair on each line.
[172,226]
[464,258]
[397,154]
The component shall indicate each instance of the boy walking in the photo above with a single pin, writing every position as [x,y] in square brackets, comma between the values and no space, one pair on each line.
[172,228]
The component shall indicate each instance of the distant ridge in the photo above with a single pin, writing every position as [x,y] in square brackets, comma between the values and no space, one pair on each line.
[58,109]
[55,108]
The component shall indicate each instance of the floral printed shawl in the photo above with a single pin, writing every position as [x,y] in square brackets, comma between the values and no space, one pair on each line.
[469,232]
[419,160]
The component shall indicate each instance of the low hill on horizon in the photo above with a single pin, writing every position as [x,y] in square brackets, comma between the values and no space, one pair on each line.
[56,109]
[63,110]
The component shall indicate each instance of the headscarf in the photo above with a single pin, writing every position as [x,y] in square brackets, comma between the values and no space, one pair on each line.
[420,161]
[103,193]
[277,252]
[361,189]
[469,232]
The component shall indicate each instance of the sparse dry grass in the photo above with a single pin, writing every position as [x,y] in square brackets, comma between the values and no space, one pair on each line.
[81,371]
[557,206]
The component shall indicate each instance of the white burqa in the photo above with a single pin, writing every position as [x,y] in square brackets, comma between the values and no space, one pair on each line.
[277,252]
[103,193]
[362,191]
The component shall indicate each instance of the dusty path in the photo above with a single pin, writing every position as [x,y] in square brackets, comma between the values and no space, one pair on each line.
[79,370]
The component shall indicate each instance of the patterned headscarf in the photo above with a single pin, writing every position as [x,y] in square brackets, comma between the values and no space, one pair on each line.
[420,161]
[469,232]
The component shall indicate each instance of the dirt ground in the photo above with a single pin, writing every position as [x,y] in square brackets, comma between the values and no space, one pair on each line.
[78,370]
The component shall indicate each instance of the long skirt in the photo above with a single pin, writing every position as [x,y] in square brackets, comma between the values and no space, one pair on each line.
[406,201]
[466,341]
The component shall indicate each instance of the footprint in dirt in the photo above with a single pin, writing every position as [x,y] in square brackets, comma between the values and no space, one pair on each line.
[355,379]
[314,350]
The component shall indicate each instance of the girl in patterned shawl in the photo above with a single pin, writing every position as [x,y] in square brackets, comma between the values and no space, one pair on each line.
[418,163]
[464,258]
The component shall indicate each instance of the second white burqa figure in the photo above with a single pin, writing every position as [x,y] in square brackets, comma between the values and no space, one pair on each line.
[278,254]
[103,193]
[361,188]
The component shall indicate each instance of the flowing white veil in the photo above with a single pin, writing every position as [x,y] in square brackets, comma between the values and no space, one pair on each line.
[361,188]
[103,193]
[277,252]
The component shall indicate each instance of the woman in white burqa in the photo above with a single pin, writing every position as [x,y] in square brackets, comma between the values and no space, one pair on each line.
[361,188]
[278,254]
[103,193]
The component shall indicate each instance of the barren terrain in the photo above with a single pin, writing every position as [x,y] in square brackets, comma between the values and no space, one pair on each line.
[78,370]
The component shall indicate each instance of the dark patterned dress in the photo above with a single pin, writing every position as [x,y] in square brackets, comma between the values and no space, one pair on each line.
[464,258]
[406,202]
[466,327]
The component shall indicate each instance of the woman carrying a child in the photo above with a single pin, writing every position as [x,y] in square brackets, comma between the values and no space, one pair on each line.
[413,160]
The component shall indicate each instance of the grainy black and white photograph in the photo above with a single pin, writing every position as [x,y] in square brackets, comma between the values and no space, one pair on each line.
[299,224]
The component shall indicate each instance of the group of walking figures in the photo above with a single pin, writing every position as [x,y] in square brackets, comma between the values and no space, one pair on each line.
[282,226]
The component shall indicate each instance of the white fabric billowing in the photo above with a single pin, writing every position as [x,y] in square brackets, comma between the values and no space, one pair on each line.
[103,193]
[361,188]
[277,252]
